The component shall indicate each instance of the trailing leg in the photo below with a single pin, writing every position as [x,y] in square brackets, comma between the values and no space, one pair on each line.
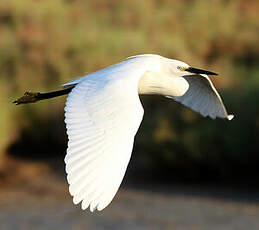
[30,97]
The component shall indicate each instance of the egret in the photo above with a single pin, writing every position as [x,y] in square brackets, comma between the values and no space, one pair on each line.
[103,113]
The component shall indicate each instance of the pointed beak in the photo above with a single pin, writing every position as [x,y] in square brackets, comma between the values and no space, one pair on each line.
[199,71]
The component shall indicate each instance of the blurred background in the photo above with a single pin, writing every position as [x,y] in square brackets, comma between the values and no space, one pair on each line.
[186,171]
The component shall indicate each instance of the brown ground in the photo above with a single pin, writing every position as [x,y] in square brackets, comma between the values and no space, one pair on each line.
[43,203]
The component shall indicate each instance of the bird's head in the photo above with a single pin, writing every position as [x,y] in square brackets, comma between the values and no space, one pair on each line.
[179,68]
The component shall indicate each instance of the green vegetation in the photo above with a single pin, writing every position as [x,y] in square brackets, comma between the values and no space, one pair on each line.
[46,43]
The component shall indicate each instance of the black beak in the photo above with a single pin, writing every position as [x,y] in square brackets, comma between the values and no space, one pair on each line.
[199,71]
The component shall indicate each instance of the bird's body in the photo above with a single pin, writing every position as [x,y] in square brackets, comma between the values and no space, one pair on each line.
[103,113]
[153,74]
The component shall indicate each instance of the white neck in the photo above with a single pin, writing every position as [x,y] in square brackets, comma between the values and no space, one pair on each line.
[162,84]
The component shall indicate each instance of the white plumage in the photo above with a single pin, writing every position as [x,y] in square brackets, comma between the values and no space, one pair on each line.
[103,113]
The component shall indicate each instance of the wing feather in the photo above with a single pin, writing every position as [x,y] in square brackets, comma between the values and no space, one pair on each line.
[203,98]
[102,118]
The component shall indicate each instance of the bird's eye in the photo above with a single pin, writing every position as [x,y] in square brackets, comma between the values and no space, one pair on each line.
[181,68]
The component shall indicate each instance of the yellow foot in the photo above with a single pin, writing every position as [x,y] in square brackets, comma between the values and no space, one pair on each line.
[28,97]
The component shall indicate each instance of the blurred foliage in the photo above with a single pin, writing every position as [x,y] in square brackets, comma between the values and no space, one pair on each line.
[46,43]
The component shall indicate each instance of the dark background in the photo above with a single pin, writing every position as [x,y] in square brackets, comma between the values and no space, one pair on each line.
[44,44]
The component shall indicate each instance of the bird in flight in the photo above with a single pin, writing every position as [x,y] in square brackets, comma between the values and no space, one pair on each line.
[103,113]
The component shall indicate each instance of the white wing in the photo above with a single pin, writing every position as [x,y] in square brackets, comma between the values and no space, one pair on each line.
[102,116]
[202,97]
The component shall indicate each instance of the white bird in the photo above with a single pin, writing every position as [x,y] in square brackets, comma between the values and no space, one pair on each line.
[103,113]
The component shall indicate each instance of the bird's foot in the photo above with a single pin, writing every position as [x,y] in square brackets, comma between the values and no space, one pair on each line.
[28,97]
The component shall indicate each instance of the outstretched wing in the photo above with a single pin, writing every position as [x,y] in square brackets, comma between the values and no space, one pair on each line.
[202,97]
[102,117]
